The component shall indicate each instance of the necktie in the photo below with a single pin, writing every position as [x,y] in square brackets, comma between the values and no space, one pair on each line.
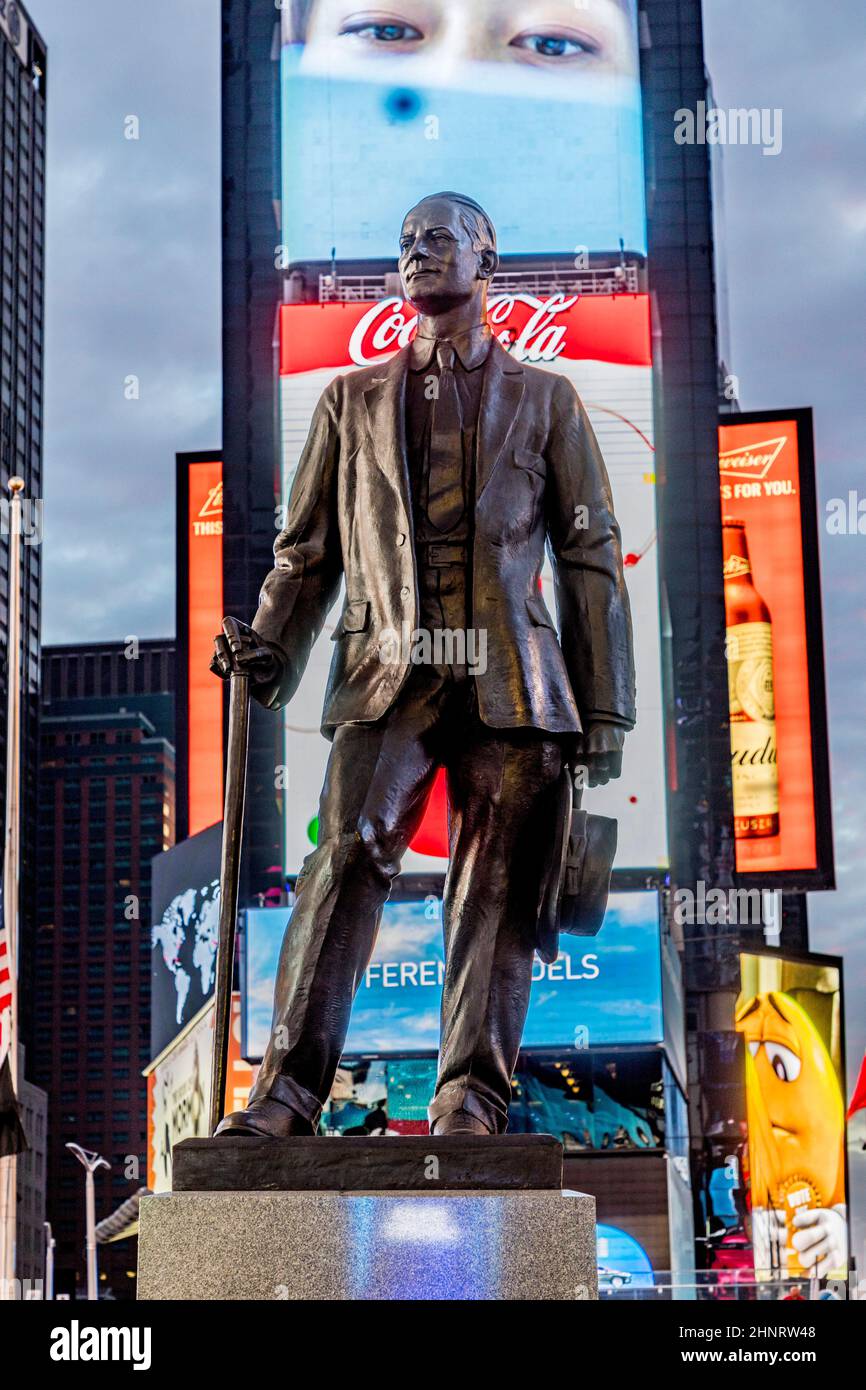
[445,483]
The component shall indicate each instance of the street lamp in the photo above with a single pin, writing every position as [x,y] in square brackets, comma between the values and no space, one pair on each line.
[90,1161]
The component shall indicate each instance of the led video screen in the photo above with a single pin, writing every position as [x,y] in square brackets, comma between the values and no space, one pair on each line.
[540,121]
[779,755]
[604,990]
[789,1016]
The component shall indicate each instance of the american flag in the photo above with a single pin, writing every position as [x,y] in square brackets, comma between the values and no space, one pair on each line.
[12,1137]
[5,976]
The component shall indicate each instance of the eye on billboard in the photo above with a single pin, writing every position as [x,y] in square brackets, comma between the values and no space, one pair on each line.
[779,756]
[789,1014]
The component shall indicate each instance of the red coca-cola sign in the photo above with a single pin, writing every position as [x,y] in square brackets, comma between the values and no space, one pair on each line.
[601,328]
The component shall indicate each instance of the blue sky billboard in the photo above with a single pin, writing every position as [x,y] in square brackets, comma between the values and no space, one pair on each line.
[601,991]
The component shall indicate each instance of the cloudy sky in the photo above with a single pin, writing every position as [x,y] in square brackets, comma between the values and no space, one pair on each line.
[795,242]
[133,266]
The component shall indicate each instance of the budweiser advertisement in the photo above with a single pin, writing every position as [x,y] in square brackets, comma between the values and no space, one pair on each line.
[602,343]
[542,126]
[779,756]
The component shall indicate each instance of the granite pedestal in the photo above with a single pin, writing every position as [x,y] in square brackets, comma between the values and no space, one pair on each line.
[478,1218]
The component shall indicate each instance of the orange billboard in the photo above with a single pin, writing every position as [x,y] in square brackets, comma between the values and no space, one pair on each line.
[774,646]
[200,595]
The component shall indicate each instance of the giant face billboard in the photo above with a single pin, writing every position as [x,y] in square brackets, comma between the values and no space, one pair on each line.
[779,754]
[541,122]
[538,121]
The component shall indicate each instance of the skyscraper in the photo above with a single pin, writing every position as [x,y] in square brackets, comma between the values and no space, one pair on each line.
[106,806]
[24,75]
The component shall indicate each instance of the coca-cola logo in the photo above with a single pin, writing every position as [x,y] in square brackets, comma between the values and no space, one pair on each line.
[751,460]
[525,325]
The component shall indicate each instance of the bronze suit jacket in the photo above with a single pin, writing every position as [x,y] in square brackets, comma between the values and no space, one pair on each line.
[540,480]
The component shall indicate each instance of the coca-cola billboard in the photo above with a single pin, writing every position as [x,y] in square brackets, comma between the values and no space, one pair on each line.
[607,328]
[602,344]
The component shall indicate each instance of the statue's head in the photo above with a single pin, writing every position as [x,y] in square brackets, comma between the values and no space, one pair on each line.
[447,252]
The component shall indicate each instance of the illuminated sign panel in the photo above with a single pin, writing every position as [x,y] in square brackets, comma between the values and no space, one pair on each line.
[789,1014]
[178,1090]
[545,132]
[375,116]
[774,647]
[184,919]
[602,344]
[602,991]
[200,615]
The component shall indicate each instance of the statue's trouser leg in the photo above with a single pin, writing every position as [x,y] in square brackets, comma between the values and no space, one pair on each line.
[500,786]
[376,787]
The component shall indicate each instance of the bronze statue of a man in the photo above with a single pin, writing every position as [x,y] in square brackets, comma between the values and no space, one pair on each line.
[430,485]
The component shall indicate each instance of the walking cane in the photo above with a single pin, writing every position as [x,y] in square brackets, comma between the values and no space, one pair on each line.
[230,862]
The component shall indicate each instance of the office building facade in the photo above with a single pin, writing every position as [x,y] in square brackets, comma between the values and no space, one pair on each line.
[106,807]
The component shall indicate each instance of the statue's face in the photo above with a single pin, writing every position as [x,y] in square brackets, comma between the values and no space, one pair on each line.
[438,264]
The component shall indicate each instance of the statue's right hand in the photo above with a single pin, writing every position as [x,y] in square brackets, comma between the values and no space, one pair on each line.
[239,651]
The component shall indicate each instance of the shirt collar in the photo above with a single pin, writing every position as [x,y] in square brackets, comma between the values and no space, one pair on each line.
[471,348]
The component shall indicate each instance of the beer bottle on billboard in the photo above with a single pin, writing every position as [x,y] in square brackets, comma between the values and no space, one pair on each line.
[754,765]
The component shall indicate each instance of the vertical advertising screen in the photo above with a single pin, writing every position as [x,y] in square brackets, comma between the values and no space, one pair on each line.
[789,1014]
[779,754]
[185,904]
[178,1090]
[540,123]
[200,614]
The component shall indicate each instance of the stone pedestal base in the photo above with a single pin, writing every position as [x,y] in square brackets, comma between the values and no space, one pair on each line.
[367,1245]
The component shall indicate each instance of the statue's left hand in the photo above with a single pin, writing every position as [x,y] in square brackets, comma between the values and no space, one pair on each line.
[600,753]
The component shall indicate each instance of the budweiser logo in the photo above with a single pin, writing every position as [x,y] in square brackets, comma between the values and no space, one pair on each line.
[534,337]
[213,503]
[752,460]
[735,566]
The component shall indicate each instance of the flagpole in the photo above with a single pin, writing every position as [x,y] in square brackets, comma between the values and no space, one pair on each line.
[8,1166]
